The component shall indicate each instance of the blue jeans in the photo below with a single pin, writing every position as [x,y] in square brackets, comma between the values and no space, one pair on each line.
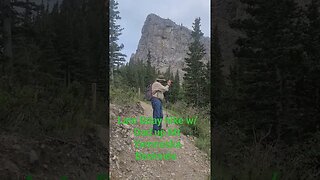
[157,113]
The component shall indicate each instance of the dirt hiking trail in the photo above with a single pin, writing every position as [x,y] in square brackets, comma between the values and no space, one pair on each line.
[191,163]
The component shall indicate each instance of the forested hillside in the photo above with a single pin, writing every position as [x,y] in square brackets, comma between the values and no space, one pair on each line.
[267,111]
[53,89]
[50,59]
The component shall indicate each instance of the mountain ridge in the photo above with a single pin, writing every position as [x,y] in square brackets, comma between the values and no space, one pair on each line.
[168,43]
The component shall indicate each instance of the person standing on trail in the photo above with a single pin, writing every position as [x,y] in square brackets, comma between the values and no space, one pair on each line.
[157,98]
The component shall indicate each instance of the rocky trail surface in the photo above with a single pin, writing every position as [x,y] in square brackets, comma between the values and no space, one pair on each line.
[191,163]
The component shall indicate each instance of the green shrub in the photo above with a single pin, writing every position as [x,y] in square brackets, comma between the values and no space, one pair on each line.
[203,143]
[186,130]
[201,129]
[123,96]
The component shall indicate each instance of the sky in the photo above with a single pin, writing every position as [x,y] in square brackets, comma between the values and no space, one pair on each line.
[133,13]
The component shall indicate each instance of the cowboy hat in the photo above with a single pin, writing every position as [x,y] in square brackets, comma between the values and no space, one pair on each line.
[160,78]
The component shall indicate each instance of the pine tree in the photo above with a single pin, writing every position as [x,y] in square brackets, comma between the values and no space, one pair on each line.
[194,78]
[14,22]
[169,95]
[176,88]
[268,58]
[177,81]
[115,56]
[168,73]
[142,74]
[98,19]
[54,48]
[150,76]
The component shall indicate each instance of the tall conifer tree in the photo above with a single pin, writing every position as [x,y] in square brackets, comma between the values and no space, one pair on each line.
[116,58]
[194,77]
[268,58]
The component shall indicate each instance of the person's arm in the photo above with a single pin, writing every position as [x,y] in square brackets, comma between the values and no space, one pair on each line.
[160,87]
[164,88]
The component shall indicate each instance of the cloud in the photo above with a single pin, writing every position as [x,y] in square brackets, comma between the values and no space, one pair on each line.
[134,13]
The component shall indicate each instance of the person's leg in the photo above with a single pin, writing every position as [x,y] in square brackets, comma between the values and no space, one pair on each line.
[161,115]
[156,105]
[153,112]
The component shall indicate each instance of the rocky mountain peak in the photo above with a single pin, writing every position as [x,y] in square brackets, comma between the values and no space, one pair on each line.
[167,42]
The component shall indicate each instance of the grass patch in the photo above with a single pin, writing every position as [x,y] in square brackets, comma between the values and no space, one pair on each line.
[186,130]
[123,95]
[203,143]
[201,129]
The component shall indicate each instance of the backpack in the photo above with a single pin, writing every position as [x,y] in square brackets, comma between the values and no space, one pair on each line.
[148,92]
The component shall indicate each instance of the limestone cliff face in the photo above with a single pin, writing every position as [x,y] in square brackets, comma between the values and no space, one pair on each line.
[168,44]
